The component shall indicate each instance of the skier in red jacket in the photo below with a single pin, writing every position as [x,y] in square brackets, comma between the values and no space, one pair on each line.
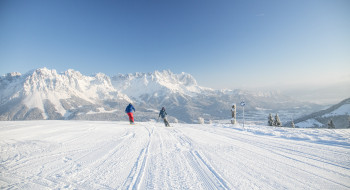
[129,110]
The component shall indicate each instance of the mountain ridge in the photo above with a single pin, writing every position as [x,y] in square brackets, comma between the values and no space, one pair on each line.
[46,94]
[338,113]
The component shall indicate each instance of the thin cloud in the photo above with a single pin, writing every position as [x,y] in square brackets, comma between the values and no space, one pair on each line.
[260,15]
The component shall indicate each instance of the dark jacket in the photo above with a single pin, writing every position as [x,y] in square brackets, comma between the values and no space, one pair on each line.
[129,108]
[162,113]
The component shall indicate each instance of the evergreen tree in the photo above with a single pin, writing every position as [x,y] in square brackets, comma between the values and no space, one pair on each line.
[200,120]
[270,120]
[277,121]
[293,125]
[331,124]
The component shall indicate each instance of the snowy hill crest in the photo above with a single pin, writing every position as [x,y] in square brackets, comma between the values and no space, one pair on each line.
[339,114]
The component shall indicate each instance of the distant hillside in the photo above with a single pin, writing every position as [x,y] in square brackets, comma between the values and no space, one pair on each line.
[339,113]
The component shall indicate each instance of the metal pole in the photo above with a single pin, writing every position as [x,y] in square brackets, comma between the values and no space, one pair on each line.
[243,104]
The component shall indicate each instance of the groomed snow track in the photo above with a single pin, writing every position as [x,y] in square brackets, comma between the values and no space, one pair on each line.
[116,155]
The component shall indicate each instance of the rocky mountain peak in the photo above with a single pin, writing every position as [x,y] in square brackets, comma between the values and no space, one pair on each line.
[46,94]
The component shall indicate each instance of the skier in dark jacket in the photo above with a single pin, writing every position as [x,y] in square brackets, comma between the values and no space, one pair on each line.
[163,114]
[129,110]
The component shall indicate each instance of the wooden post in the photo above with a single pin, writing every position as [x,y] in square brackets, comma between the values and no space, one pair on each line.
[233,110]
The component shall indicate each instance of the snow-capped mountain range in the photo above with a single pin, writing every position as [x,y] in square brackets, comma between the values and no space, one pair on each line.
[47,94]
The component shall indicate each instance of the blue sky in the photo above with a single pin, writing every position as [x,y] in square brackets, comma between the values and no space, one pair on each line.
[222,43]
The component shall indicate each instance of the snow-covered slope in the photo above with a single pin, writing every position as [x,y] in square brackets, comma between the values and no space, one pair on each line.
[339,114]
[115,155]
[342,110]
[46,94]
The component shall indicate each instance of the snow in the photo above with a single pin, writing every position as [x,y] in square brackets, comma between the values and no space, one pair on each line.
[309,123]
[342,110]
[116,155]
[102,110]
